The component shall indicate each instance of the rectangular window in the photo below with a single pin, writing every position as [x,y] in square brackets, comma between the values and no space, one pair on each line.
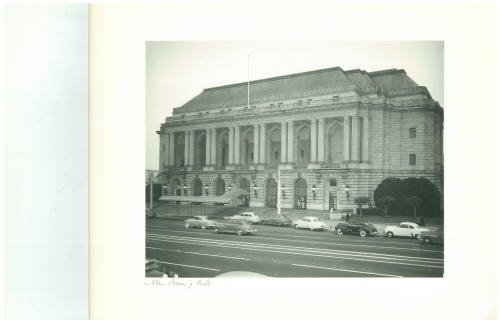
[413,132]
[309,101]
[300,102]
[413,159]
[336,98]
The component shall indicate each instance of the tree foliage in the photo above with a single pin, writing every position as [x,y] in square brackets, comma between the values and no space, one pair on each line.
[385,202]
[401,190]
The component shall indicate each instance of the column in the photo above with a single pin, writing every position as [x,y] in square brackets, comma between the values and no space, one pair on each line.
[213,149]
[366,139]
[262,144]
[191,147]
[172,149]
[231,145]
[355,138]
[255,144]
[290,142]
[347,131]
[314,136]
[283,142]
[237,145]
[208,143]
[167,149]
[186,148]
[321,140]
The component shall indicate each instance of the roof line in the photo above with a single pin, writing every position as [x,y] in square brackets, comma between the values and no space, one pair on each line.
[277,78]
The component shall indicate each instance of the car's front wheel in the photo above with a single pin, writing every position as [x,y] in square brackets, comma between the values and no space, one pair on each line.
[339,231]
[203,226]
[389,234]
[362,233]
[187,225]
[296,225]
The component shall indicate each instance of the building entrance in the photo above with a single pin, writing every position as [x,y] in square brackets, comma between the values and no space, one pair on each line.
[271,193]
[300,201]
[332,199]
[245,185]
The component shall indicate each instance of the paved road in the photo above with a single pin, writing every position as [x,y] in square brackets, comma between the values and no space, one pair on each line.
[288,252]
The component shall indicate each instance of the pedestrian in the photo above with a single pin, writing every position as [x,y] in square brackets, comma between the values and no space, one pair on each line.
[421,221]
[348,217]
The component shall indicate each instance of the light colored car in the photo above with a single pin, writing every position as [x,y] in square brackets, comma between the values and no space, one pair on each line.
[199,222]
[238,226]
[312,223]
[248,216]
[405,229]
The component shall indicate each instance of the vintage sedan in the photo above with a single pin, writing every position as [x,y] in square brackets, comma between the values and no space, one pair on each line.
[405,229]
[237,226]
[277,220]
[155,269]
[357,228]
[248,216]
[432,236]
[310,222]
[199,222]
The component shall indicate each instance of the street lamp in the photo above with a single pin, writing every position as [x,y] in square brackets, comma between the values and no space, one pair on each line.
[347,191]
[206,189]
[314,191]
[255,189]
[283,191]
[185,189]
[230,187]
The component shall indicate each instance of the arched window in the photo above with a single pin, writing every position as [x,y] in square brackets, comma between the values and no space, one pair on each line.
[333,183]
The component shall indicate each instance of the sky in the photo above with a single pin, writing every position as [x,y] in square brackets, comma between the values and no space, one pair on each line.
[178,71]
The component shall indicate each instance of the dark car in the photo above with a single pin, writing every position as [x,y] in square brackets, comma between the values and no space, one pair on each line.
[357,228]
[277,220]
[237,226]
[432,236]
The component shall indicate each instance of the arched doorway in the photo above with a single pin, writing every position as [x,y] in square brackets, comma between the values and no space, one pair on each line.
[245,185]
[176,187]
[197,187]
[220,187]
[271,192]
[300,199]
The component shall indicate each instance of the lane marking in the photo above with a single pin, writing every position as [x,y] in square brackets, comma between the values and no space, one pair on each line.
[345,270]
[320,242]
[296,253]
[188,266]
[317,250]
[213,255]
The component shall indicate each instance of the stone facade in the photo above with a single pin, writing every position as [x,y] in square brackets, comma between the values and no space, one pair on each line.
[333,134]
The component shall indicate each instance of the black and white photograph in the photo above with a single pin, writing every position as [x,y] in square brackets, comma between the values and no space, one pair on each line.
[294,159]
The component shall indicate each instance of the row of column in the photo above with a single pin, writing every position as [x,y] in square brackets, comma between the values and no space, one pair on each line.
[355,145]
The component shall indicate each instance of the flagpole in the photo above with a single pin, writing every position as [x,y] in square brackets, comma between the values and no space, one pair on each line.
[248,83]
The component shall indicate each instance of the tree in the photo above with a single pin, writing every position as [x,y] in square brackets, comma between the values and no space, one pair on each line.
[426,191]
[360,201]
[385,202]
[413,202]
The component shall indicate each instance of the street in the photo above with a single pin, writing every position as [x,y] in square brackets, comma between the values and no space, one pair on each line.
[288,252]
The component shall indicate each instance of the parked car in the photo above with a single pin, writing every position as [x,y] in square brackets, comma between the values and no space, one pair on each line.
[156,270]
[358,228]
[277,220]
[150,213]
[406,229]
[199,222]
[312,223]
[432,236]
[248,216]
[237,226]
